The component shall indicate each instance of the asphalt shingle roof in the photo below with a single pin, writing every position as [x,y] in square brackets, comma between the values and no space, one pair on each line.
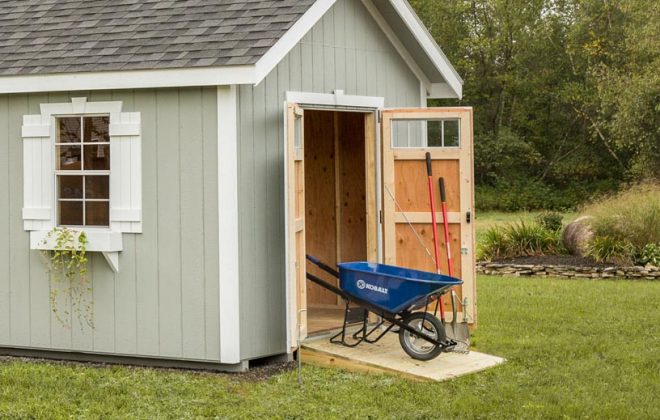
[72,36]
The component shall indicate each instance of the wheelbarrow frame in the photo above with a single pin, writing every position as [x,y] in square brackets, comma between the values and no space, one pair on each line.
[363,334]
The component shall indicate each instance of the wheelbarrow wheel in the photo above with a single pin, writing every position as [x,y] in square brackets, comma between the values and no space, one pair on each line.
[417,347]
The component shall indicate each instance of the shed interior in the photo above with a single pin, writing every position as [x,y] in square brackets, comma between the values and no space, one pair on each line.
[335,204]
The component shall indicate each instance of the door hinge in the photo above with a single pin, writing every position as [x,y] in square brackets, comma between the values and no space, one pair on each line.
[380,116]
[468,217]
[380,217]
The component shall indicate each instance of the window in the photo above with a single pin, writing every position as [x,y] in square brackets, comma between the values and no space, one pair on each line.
[83,171]
[82,168]
[425,133]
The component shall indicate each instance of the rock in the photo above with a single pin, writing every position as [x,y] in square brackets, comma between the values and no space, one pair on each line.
[577,235]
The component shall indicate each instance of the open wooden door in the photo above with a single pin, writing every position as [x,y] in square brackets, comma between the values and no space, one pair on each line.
[295,208]
[408,134]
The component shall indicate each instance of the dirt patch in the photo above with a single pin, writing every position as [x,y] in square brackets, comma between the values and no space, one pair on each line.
[567,260]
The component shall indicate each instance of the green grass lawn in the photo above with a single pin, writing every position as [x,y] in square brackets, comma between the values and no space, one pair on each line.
[574,349]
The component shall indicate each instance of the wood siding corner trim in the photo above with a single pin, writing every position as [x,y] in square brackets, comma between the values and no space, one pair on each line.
[228,224]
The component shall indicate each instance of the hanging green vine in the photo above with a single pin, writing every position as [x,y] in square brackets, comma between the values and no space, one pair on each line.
[70,287]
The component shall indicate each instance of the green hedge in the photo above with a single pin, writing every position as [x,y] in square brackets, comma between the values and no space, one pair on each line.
[527,195]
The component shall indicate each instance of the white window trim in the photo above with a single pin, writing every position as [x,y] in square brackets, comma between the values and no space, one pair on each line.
[40,194]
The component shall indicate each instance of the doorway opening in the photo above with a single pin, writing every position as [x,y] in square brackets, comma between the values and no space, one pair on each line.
[338,206]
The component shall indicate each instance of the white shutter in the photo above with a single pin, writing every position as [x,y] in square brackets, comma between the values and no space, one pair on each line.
[126,172]
[38,181]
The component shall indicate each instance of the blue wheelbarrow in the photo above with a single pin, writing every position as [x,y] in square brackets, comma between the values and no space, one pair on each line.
[397,296]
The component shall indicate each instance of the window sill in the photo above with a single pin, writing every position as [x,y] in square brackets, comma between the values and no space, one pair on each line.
[107,242]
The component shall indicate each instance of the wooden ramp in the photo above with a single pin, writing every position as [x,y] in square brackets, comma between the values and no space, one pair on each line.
[387,356]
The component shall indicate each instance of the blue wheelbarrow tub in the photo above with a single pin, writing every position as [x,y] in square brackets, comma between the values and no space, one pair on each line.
[393,289]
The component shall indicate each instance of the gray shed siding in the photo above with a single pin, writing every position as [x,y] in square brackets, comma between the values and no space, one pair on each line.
[164,302]
[345,50]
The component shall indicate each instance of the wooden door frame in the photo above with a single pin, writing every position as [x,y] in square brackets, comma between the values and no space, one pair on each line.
[338,102]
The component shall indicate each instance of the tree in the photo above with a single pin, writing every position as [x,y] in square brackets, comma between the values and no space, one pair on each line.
[565,91]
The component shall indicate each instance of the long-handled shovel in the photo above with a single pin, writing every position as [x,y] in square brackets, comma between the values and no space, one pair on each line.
[436,248]
[460,332]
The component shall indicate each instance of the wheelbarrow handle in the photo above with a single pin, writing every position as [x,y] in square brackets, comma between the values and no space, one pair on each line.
[320,264]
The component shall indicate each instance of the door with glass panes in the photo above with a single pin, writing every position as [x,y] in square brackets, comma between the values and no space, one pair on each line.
[407,136]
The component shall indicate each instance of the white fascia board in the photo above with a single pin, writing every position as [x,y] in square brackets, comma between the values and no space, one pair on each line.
[230,323]
[290,39]
[443,91]
[129,79]
[429,46]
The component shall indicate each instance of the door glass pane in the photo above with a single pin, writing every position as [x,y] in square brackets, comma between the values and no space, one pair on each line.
[69,158]
[425,133]
[97,157]
[97,187]
[97,129]
[97,213]
[68,130]
[409,133]
[70,187]
[297,132]
[451,133]
[434,130]
[71,213]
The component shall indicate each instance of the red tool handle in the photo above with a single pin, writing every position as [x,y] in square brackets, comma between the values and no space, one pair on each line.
[443,197]
[436,248]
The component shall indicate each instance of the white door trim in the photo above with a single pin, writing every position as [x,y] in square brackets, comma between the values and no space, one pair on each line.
[336,99]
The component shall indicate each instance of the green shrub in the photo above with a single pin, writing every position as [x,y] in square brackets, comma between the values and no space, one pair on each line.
[528,195]
[608,249]
[520,240]
[649,255]
[495,243]
[625,224]
[551,221]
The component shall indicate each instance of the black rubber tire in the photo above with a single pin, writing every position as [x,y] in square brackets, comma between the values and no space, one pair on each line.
[430,321]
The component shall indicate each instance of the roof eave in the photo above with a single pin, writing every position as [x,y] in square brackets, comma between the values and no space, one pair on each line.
[452,85]
[129,79]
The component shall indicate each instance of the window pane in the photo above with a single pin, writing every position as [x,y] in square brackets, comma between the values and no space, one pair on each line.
[425,133]
[434,133]
[408,133]
[97,129]
[71,213]
[69,158]
[97,213]
[97,187]
[70,187]
[68,130]
[297,135]
[452,138]
[97,157]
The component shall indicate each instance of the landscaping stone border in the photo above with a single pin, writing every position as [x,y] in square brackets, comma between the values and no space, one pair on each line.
[565,271]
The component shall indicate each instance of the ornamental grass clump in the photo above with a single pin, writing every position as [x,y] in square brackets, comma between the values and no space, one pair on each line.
[520,239]
[626,226]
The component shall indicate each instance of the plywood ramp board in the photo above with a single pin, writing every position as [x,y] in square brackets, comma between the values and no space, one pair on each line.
[388,357]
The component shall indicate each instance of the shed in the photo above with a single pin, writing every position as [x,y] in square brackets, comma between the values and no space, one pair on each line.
[204,147]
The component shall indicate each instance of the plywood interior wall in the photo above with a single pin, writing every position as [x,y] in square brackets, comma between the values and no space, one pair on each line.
[335,194]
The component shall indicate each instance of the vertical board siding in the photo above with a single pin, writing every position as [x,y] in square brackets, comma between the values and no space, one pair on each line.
[164,301]
[346,50]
